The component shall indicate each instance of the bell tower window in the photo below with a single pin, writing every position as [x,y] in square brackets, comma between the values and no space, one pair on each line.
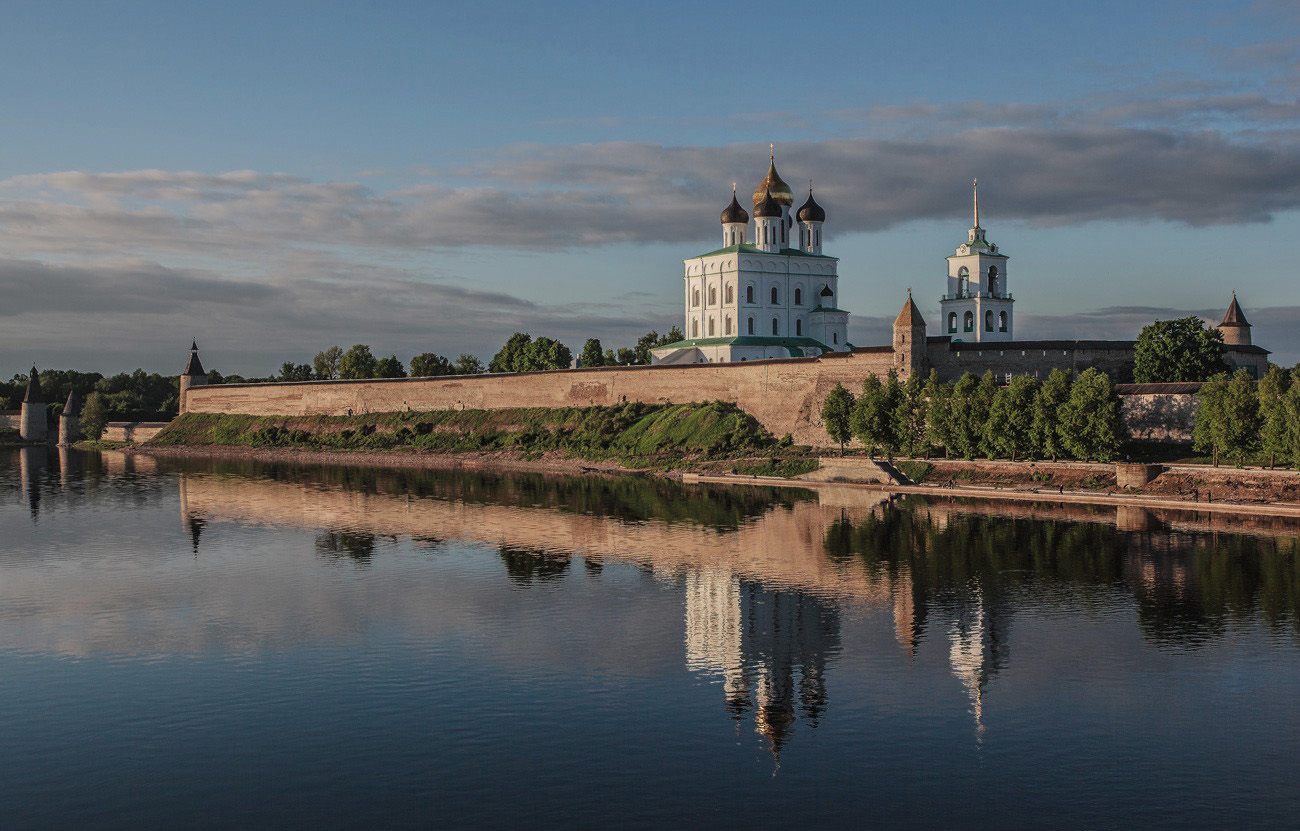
[963,281]
[1002,321]
[968,322]
[993,280]
[952,321]
[988,321]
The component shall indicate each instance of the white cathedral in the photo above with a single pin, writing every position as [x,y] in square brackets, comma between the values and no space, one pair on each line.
[778,298]
[768,298]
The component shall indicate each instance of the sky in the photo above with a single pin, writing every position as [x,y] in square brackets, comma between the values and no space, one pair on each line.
[273,178]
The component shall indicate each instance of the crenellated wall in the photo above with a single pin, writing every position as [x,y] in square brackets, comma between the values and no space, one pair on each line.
[784,395]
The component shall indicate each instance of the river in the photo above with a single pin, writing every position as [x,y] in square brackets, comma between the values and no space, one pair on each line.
[231,644]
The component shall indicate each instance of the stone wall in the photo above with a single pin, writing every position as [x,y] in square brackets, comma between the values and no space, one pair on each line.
[1034,359]
[11,419]
[132,430]
[1158,412]
[784,395]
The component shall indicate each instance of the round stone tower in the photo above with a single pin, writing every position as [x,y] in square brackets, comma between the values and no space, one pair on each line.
[1235,327]
[34,421]
[193,376]
[70,420]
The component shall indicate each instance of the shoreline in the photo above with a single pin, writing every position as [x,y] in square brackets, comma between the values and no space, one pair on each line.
[556,463]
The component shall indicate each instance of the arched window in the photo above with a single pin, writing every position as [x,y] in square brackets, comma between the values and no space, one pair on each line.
[963,281]
[710,327]
[993,280]
[695,328]
[749,294]
[730,298]
[952,321]
[776,326]
[988,321]
[835,337]
[775,296]
[695,298]
[968,322]
[750,326]
[798,297]
[798,328]
[713,296]
[1002,321]
[726,325]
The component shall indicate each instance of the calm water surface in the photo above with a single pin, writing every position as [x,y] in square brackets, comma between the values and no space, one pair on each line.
[207,644]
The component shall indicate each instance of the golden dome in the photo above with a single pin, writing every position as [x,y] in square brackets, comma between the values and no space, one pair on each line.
[776,185]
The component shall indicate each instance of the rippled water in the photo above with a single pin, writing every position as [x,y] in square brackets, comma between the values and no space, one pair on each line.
[210,644]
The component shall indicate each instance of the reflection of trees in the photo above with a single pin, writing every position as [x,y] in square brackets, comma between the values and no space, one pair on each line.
[1188,585]
[357,545]
[526,565]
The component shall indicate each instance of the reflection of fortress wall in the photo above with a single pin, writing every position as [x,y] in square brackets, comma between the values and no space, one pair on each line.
[781,548]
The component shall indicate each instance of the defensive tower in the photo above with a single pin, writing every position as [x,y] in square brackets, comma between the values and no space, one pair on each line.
[1235,327]
[70,420]
[34,419]
[194,375]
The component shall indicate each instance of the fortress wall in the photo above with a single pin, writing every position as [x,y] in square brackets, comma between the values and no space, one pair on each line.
[1159,416]
[13,419]
[784,395]
[132,430]
[1009,358]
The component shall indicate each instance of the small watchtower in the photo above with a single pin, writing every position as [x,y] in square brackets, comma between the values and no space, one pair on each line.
[1235,327]
[194,374]
[34,419]
[909,340]
[70,420]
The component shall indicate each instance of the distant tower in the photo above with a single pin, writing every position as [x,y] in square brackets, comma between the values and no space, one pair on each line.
[978,304]
[774,185]
[811,216]
[193,376]
[1235,327]
[70,420]
[34,420]
[768,222]
[909,340]
[734,222]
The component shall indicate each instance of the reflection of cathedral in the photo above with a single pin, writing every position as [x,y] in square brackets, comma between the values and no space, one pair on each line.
[977,639]
[771,646]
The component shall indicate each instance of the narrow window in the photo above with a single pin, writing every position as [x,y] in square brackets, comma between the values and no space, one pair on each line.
[798,297]
[730,298]
[695,298]
[695,328]
[988,321]
[774,296]
[993,280]
[952,321]
[713,297]
[1002,321]
[968,322]
[750,326]
[798,328]
[835,337]
[776,326]
[710,327]
[749,294]
[726,325]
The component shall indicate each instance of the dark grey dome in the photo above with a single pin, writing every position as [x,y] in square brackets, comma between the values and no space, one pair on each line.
[768,207]
[811,211]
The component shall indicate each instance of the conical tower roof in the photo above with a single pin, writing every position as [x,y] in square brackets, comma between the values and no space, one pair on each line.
[34,394]
[909,316]
[775,185]
[1234,317]
[195,366]
[73,407]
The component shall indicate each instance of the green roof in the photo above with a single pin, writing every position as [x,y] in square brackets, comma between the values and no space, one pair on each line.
[816,309]
[748,340]
[750,248]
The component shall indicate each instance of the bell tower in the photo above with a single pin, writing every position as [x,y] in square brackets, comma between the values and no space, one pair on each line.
[977,307]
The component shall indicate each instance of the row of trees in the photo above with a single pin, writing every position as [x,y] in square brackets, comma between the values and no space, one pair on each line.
[1239,416]
[137,395]
[1065,415]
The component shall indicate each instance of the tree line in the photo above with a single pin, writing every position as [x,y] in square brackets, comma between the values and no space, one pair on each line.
[1067,416]
[1239,417]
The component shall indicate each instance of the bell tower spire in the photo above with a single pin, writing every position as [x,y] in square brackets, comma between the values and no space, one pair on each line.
[975,189]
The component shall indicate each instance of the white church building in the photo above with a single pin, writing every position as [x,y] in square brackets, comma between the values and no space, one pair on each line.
[763,294]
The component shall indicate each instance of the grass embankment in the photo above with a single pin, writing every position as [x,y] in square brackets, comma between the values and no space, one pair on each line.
[636,435]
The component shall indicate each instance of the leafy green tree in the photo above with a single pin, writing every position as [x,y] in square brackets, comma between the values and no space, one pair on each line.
[592,353]
[966,431]
[674,335]
[643,346]
[357,362]
[1239,424]
[938,413]
[1177,350]
[512,357]
[982,408]
[1291,404]
[1046,429]
[909,416]
[326,363]
[1210,404]
[289,371]
[429,365]
[389,367]
[837,415]
[547,353]
[1090,426]
[1273,412]
[467,364]
[872,421]
[893,403]
[1010,428]
[94,416]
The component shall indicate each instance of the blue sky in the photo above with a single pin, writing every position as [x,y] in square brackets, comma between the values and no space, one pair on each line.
[273,178]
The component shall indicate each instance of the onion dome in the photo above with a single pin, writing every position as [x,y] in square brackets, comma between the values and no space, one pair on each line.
[733,213]
[826,292]
[768,206]
[811,211]
[774,185]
